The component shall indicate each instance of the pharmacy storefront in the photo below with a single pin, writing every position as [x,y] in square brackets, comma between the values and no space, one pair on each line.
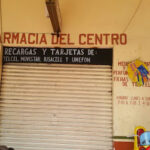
[56,98]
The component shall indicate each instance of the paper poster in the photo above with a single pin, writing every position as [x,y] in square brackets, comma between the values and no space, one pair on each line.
[138,72]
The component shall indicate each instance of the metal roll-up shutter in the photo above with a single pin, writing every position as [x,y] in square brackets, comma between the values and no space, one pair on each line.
[56,107]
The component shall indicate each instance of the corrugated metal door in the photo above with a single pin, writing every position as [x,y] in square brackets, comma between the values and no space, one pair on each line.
[56,107]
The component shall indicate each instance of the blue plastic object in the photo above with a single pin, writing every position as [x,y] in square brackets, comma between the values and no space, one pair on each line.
[145,139]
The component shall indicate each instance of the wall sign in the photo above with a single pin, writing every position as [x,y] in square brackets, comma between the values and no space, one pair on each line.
[138,72]
[57,55]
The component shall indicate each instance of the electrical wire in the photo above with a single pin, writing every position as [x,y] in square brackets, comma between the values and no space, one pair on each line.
[133,16]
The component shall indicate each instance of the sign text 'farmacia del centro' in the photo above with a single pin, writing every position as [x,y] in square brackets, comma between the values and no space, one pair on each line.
[96,39]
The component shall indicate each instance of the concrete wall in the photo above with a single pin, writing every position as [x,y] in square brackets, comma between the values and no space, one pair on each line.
[0,43]
[132,110]
[98,16]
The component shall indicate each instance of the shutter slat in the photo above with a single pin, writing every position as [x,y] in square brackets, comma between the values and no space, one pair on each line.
[56,106]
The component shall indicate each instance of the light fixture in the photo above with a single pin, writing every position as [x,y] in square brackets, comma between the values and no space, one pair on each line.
[54,14]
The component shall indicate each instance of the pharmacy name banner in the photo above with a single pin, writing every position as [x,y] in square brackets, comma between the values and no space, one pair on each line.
[93,56]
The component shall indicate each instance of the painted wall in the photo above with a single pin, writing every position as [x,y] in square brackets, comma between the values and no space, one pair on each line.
[0,45]
[98,16]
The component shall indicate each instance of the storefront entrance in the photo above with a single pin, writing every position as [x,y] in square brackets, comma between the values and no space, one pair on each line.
[56,106]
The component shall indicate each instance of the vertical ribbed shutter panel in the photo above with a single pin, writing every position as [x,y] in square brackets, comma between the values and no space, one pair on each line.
[56,107]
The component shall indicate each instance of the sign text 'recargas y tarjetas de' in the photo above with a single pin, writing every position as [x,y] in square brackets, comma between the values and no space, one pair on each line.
[57,55]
